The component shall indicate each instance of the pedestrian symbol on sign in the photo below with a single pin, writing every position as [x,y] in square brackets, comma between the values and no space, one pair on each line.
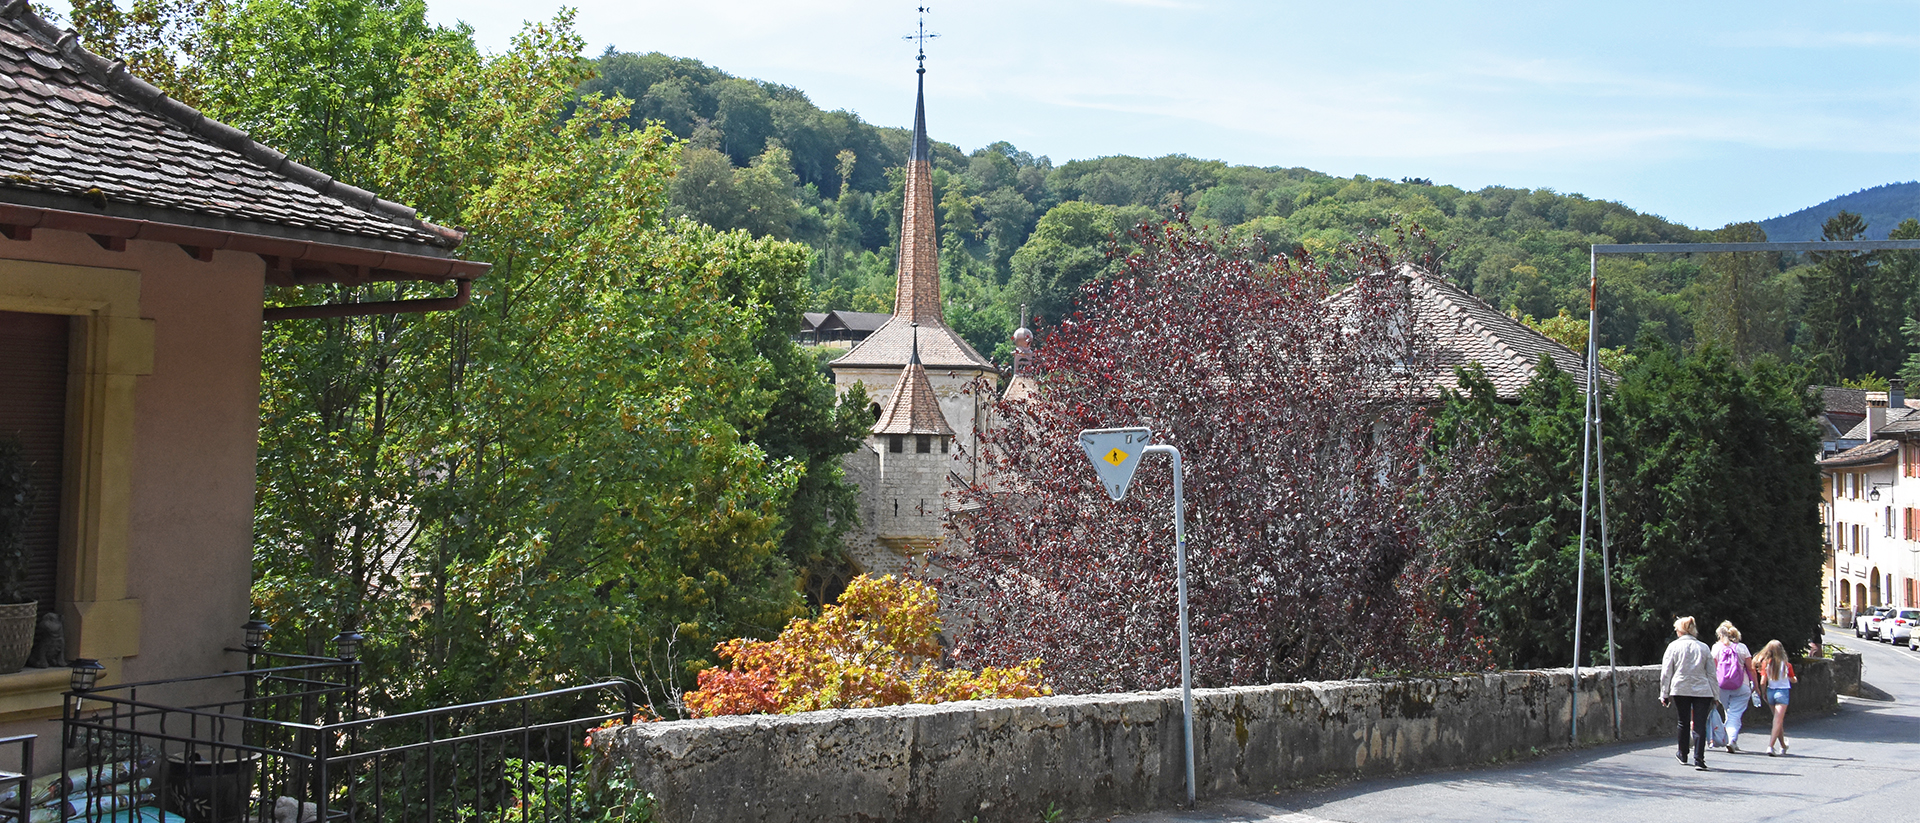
[1115,453]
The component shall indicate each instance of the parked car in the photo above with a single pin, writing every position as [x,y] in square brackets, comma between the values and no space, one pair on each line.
[1897,628]
[1867,624]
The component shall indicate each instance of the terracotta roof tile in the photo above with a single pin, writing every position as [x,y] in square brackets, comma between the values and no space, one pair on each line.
[941,348]
[79,128]
[1867,454]
[1466,329]
[914,408]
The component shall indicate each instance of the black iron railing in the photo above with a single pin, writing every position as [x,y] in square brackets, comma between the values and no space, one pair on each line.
[15,786]
[289,744]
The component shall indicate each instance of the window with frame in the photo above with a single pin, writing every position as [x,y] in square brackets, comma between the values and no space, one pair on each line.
[1910,459]
[33,413]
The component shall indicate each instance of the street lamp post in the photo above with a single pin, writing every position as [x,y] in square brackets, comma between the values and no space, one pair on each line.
[1115,453]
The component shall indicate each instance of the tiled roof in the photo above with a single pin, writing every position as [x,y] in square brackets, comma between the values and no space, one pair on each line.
[1872,452]
[1909,425]
[1464,329]
[1468,329]
[913,409]
[84,136]
[1843,400]
[940,347]
[917,291]
[855,320]
[810,320]
[1899,421]
[1021,387]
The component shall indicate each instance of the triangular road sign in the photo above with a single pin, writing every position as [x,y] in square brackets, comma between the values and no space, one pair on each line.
[1115,453]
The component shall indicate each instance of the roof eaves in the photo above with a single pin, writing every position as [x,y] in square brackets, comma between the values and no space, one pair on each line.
[1875,451]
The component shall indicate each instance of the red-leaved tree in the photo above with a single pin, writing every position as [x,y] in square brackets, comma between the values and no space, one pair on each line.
[1310,497]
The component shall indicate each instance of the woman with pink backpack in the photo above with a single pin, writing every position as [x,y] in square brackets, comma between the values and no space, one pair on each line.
[1733,674]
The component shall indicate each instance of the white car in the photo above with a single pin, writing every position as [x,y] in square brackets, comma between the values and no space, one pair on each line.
[1867,623]
[1897,628]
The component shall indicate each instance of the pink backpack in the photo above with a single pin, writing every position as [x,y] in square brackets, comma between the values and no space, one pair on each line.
[1727,668]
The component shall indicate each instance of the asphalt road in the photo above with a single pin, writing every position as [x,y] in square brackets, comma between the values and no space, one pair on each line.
[1862,763]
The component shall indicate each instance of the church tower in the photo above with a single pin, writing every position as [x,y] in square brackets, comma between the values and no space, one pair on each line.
[919,373]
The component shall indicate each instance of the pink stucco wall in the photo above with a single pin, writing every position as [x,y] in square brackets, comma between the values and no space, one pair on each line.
[196,426]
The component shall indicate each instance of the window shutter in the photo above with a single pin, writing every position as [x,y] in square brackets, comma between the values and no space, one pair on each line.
[33,409]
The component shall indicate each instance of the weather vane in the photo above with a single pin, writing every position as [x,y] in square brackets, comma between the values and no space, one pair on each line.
[923,37]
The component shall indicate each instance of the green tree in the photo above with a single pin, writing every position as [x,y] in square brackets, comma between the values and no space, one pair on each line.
[1716,509]
[1740,306]
[1899,293]
[155,38]
[316,79]
[1712,503]
[1068,249]
[1840,315]
[566,479]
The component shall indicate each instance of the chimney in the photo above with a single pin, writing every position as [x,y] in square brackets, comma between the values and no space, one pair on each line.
[1876,413]
[1896,393]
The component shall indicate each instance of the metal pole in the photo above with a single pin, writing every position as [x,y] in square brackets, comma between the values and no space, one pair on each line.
[1586,460]
[1606,539]
[1180,568]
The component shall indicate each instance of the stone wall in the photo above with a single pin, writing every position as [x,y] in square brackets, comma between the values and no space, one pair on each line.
[1846,674]
[1088,755]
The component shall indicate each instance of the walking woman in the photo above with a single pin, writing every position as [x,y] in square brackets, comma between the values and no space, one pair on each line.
[1686,683]
[1776,674]
[1733,664]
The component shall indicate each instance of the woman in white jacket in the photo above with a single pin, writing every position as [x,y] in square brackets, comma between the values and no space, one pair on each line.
[1686,683]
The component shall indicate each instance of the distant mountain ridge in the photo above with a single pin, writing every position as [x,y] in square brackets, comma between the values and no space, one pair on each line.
[1883,207]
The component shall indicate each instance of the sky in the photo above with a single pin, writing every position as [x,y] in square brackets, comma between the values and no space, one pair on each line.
[1702,112]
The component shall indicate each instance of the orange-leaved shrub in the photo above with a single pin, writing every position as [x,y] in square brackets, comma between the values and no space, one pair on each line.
[876,647]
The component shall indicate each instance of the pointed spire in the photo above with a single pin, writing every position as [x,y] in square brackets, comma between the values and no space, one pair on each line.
[917,296]
[914,408]
[920,150]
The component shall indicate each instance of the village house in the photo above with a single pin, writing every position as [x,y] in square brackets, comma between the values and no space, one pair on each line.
[1872,494]
[137,241]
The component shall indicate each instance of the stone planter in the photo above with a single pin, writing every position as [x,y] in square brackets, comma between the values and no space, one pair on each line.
[16,634]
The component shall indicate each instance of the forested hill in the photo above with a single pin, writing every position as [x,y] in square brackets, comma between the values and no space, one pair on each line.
[1018,229]
[1883,207]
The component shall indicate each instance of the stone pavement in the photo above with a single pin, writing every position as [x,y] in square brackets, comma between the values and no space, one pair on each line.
[1862,763]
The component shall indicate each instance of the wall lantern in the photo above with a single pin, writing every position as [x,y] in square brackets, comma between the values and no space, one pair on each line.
[346,645]
[256,634]
[84,673]
[1874,493]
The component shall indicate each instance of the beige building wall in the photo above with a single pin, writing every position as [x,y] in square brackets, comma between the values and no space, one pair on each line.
[163,423]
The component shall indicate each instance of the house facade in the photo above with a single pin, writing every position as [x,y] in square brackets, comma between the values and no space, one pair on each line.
[1872,516]
[137,241]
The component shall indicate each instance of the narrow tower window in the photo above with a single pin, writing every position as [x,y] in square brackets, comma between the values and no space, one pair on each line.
[923,443]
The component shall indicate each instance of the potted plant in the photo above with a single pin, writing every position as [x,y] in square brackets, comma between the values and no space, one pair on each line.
[17,612]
